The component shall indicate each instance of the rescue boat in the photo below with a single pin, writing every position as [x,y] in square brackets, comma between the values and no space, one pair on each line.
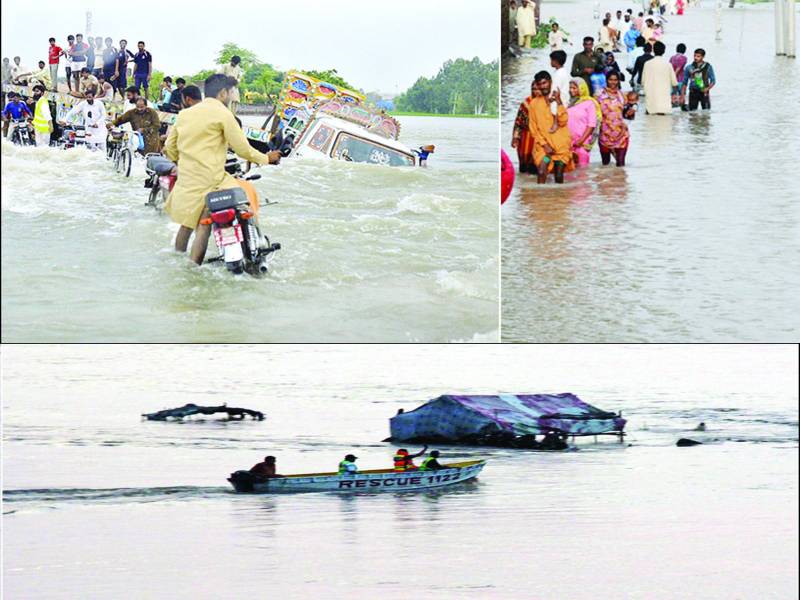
[379,480]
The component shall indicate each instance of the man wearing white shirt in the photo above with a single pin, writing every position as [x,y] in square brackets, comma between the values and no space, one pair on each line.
[560,75]
[17,71]
[94,120]
[556,38]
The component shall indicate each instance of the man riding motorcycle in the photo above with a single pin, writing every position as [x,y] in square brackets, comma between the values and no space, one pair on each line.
[198,143]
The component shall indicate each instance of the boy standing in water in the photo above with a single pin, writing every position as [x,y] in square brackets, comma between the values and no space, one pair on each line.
[699,78]
[423,153]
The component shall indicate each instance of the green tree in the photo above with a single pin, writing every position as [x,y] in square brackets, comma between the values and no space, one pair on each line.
[331,76]
[154,89]
[460,87]
[230,49]
[199,77]
[262,79]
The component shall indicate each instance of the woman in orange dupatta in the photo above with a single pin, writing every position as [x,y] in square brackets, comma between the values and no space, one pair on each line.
[521,138]
[552,141]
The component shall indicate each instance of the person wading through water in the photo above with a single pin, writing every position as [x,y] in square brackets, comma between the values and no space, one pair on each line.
[198,143]
[552,141]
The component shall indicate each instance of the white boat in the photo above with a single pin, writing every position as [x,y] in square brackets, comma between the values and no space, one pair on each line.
[379,480]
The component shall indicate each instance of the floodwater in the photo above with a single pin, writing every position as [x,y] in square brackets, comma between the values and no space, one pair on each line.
[698,237]
[98,504]
[368,253]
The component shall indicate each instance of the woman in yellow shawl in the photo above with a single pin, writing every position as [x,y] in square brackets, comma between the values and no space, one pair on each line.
[552,142]
[584,120]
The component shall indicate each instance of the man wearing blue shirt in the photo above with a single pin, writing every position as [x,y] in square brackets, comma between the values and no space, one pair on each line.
[15,110]
[144,68]
[699,78]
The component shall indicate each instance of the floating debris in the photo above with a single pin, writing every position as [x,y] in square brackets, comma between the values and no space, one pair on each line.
[234,414]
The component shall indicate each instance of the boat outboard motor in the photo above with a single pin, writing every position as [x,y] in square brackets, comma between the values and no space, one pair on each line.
[243,481]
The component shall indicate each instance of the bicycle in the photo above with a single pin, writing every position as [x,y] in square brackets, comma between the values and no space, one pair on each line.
[119,152]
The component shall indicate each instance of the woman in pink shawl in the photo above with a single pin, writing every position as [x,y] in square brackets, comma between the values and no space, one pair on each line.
[584,120]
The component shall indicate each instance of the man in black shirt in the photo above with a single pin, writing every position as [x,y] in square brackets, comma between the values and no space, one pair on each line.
[176,99]
[144,68]
[638,66]
[120,77]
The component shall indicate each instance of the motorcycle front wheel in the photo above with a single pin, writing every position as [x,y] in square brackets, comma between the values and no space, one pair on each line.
[125,160]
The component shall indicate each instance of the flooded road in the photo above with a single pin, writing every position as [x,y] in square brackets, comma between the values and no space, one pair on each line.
[368,253]
[698,237]
[99,504]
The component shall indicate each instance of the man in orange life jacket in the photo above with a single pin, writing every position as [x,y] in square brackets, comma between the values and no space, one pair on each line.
[403,461]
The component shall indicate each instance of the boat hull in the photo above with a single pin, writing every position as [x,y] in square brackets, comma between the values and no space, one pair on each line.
[365,481]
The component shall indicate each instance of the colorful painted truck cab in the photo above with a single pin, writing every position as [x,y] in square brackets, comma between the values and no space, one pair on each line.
[334,123]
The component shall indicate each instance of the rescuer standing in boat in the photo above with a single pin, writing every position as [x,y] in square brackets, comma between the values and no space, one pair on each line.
[403,461]
[198,142]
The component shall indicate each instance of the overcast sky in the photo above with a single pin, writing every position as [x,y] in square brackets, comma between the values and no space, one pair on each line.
[374,44]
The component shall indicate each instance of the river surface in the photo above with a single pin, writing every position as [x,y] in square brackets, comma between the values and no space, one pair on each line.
[98,504]
[698,237]
[369,253]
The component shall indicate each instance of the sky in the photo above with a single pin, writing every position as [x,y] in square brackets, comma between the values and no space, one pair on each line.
[376,45]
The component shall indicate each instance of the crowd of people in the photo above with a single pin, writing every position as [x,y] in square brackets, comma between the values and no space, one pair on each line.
[95,72]
[569,111]
[107,70]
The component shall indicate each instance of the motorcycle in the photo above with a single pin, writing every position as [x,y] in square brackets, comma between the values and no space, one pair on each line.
[72,136]
[160,180]
[234,225]
[21,135]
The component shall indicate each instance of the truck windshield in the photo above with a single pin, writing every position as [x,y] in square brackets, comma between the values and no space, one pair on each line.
[349,147]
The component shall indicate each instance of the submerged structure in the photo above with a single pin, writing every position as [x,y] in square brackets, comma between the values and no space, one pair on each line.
[188,410]
[503,420]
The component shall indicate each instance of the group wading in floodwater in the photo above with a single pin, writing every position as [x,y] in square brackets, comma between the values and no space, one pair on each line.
[570,111]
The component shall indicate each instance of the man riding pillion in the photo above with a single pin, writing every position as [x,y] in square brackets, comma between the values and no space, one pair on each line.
[403,461]
[198,143]
[42,118]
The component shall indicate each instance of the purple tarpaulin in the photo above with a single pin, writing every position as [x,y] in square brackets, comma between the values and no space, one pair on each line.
[453,417]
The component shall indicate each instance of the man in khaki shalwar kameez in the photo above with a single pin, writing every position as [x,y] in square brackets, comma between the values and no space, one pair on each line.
[198,143]
[552,141]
